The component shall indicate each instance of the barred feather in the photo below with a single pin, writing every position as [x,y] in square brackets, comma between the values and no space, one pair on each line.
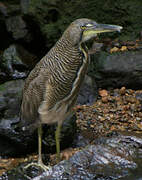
[53,85]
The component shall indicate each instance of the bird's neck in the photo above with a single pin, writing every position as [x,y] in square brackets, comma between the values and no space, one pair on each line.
[66,44]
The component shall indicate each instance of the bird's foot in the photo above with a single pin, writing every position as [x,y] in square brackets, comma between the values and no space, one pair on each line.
[38,164]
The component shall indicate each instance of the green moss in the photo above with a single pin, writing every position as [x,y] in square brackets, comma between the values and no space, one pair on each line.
[54,16]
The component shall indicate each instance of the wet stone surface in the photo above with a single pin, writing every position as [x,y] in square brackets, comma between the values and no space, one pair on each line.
[12,65]
[88,92]
[12,141]
[112,157]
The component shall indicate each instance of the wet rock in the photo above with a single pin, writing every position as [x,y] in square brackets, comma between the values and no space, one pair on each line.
[117,70]
[15,63]
[114,157]
[10,96]
[10,93]
[88,92]
[80,140]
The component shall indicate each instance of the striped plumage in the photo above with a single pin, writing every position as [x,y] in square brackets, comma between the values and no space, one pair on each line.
[54,82]
[52,87]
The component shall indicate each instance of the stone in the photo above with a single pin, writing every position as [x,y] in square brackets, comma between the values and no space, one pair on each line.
[103,93]
[122,90]
[117,70]
[113,157]
[88,92]
[15,63]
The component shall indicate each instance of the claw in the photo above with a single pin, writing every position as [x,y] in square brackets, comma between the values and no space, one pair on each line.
[41,165]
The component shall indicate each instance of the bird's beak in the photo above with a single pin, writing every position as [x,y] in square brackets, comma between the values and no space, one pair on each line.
[93,30]
[102,28]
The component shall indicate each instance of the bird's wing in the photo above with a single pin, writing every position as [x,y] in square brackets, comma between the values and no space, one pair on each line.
[53,108]
[32,98]
[54,94]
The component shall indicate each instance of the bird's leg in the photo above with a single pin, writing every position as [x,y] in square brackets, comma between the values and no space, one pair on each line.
[57,138]
[40,162]
[40,145]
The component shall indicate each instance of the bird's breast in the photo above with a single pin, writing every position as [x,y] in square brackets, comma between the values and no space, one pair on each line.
[71,98]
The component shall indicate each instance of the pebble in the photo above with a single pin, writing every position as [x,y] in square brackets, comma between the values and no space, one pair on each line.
[103,93]
[113,113]
[104,99]
[122,90]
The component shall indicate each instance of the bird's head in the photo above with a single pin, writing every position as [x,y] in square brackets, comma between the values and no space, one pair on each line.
[82,30]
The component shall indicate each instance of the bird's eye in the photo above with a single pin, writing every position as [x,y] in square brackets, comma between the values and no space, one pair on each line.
[83,27]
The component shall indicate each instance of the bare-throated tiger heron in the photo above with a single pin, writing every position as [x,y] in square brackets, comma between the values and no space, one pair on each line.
[52,87]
